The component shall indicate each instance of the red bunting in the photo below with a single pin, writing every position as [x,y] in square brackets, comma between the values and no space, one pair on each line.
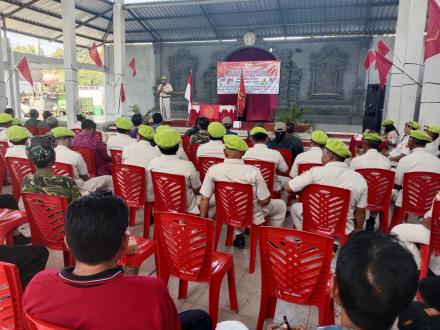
[241,97]
[382,48]
[432,40]
[23,67]
[122,94]
[383,66]
[371,57]
[132,66]
[94,55]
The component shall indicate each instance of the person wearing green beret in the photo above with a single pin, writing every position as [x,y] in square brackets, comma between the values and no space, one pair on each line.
[433,147]
[15,121]
[334,172]
[371,157]
[311,156]
[122,138]
[233,169]
[64,154]
[17,136]
[5,122]
[391,135]
[215,147]
[165,91]
[401,150]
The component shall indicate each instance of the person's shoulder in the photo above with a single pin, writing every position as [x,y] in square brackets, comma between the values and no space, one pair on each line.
[43,277]
[145,283]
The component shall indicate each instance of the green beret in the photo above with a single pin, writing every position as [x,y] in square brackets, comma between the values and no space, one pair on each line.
[319,137]
[233,142]
[432,129]
[372,137]
[387,122]
[5,118]
[123,123]
[167,138]
[338,147]
[146,131]
[216,130]
[164,78]
[420,135]
[413,124]
[161,127]
[15,122]
[62,132]
[257,130]
[17,133]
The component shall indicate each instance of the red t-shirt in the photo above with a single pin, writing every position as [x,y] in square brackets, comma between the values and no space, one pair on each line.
[109,300]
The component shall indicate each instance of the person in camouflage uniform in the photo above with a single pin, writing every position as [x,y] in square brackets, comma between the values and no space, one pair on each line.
[41,152]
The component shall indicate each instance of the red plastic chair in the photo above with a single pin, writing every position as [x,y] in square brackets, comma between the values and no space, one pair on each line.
[19,168]
[33,130]
[3,147]
[267,170]
[34,324]
[419,189]
[287,155]
[169,192]
[434,242]
[146,249]
[193,154]
[306,166]
[76,130]
[325,210]
[380,186]
[185,250]
[295,267]
[249,142]
[89,157]
[62,169]
[185,144]
[205,163]
[9,220]
[129,183]
[116,156]
[98,134]
[234,208]
[11,313]
[43,131]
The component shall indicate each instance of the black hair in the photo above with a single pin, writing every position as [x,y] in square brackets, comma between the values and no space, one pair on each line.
[279,136]
[377,279]
[429,289]
[137,119]
[203,123]
[122,131]
[19,143]
[95,226]
[215,138]
[434,136]
[10,111]
[290,127]
[259,137]
[46,114]
[88,124]
[80,117]
[46,158]
[169,151]
[419,143]
[390,128]
[33,113]
[372,144]
[157,118]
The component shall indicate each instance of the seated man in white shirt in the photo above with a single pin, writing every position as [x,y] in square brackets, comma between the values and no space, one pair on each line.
[180,152]
[433,132]
[312,156]
[5,122]
[18,137]
[215,147]
[371,157]
[402,148]
[336,173]
[141,153]
[233,169]
[121,139]
[63,154]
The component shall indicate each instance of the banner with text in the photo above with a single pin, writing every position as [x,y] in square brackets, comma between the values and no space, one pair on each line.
[260,77]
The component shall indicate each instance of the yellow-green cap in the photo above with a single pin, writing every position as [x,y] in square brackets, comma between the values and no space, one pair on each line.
[167,138]
[319,137]
[387,122]
[432,129]
[17,133]
[216,130]
[413,124]
[15,122]
[163,78]
[146,131]
[233,142]
[372,137]
[161,127]
[257,130]
[62,132]
[338,147]
[5,118]
[420,135]
[123,123]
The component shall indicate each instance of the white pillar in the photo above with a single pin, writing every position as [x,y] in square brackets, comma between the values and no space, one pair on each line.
[3,99]
[430,102]
[119,53]
[14,82]
[10,71]
[70,63]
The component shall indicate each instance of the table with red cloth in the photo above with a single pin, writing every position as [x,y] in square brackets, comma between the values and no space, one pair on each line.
[214,112]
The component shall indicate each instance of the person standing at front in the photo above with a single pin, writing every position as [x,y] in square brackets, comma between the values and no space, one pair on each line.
[165,90]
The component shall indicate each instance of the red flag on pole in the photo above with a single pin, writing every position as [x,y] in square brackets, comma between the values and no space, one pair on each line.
[188,91]
[132,66]
[94,55]
[383,66]
[122,94]
[241,97]
[382,48]
[371,57]
[432,40]
[23,67]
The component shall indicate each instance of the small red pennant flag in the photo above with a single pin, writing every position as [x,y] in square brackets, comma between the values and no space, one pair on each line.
[382,48]
[23,67]
[383,66]
[432,40]
[132,66]
[94,55]
[122,94]
[371,57]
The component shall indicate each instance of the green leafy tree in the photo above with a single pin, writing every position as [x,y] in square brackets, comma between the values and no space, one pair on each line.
[29,49]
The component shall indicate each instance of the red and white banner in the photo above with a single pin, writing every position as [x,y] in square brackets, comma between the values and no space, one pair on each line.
[214,112]
[260,77]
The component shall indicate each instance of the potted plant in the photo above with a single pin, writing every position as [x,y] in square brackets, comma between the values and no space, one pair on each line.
[294,116]
[135,109]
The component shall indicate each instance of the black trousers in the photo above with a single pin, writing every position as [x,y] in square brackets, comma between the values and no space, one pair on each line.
[8,202]
[195,320]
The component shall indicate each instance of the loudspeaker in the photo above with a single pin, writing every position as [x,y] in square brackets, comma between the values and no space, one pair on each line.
[373,108]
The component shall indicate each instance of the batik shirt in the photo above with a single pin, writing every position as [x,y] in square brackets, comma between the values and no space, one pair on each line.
[201,137]
[51,184]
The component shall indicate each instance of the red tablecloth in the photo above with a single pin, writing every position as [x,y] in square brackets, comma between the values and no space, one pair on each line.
[214,112]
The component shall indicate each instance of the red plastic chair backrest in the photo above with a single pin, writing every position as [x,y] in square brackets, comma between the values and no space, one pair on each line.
[34,324]
[295,265]
[249,142]
[193,154]
[287,155]
[129,184]
[185,245]
[89,157]
[33,130]
[205,163]
[46,219]
[419,189]
[185,144]
[116,156]
[98,134]
[380,186]
[434,242]
[234,203]
[169,192]
[325,209]
[43,131]
[19,168]
[11,314]
[306,166]
[76,130]
[267,170]
[62,169]
[3,147]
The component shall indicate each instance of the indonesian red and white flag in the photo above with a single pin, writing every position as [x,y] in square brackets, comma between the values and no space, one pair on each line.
[241,97]
[132,66]
[188,91]
[369,59]
[122,94]
[23,67]
[383,66]
[94,55]
[432,40]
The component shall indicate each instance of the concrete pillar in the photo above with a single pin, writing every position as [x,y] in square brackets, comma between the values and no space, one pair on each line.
[14,82]
[10,70]
[157,50]
[3,99]
[120,65]
[70,62]
[430,101]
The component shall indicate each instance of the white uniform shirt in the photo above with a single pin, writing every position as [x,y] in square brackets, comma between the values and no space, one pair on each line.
[393,137]
[260,151]
[312,156]
[336,174]
[180,153]
[371,159]
[235,170]
[16,151]
[3,136]
[166,89]
[401,148]
[118,142]
[433,147]
[68,156]
[173,165]
[211,149]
